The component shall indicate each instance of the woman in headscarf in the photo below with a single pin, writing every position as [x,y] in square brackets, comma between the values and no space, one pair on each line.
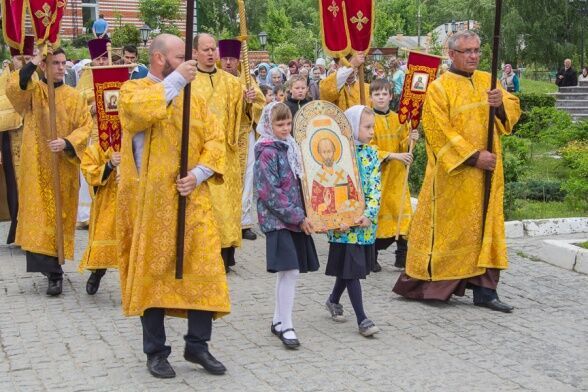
[263,70]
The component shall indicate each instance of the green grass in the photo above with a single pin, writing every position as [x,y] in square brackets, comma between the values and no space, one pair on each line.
[583,245]
[537,87]
[529,209]
[544,167]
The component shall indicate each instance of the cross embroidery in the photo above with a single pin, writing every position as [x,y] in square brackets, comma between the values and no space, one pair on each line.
[338,176]
[359,20]
[334,8]
[322,177]
[45,15]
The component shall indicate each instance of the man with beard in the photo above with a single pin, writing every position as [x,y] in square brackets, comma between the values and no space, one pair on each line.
[150,111]
[223,94]
[230,53]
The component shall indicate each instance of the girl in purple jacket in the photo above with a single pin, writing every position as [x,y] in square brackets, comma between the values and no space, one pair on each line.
[289,246]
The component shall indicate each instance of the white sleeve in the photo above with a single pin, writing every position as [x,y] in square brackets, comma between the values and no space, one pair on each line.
[202,173]
[342,74]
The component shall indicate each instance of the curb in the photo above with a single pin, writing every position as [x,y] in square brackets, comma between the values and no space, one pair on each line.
[564,254]
[545,227]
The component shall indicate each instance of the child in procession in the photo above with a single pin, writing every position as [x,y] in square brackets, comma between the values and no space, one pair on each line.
[351,251]
[290,249]
[298,96]
[280,93]
[392,140]
[268,93]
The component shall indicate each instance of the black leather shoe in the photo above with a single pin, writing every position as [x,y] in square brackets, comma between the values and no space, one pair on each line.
[400,261]
[55,287]
[159,367]
[289,343]
[496,305]
[207,361]
[94,282]
[248,234]
[273,329]
[377,267]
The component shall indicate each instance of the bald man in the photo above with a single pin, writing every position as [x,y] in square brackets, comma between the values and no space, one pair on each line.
[567,76]
[223,93]
[151,118]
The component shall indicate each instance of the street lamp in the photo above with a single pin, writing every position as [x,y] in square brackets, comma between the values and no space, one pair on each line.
[145,30]
[377,55]
[453,26]
[262,39]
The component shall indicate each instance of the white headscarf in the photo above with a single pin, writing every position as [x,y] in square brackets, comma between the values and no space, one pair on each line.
[264,128]
[353,114]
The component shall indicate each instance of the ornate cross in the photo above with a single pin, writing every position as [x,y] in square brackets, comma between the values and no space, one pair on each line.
[334,8]
[359,20]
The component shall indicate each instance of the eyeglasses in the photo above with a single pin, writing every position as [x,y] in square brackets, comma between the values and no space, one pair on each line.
[468,52]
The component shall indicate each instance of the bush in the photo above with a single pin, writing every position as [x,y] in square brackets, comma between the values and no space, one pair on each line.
[575,155]
[536,190]
[127,34]
[533,100]
[516,155]
[543,121]
[81,41]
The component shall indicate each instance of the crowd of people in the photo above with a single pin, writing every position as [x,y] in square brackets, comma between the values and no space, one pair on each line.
[242,152]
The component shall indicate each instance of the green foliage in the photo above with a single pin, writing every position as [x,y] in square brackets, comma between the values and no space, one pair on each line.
[516,156]
[417,169]
[532,209]
[81,41]
[284,52]
[531,100]
[160,14]
[73,52]
[548,125]
[536,190]
[536,86]
[388,22]
[127,34]
[575,155]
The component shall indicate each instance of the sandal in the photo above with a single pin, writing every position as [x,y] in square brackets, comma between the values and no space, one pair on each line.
[289,343]
[273,329]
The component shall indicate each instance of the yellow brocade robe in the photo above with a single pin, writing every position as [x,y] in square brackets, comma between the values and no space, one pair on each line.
[446,231]
[223,94]
[249,117]
[392,137]
[101,250]
[345,98]
[36,215]
[147,273]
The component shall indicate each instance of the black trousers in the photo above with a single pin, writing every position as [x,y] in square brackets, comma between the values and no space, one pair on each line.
[199,332]
[228,255]
[48,265]
[11,186]
[385,243]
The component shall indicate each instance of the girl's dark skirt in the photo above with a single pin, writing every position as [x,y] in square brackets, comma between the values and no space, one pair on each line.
[287,250]
[350,261]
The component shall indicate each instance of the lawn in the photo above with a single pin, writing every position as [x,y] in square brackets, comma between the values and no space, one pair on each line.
[583,245]
[531,209]
[537,87]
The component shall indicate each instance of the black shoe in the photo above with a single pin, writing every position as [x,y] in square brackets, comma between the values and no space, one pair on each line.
[400,261]
[377,267]
[273,329]
[159,367]
[55,287]
[289,343]
[248,234]
[207,361]
[496,305]
[94,282]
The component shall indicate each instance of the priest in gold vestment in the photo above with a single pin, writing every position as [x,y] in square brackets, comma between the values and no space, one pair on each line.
[150,111]
[230,53]
[448,252]
[36,230]
[223,94]
[342,87]
[11,125]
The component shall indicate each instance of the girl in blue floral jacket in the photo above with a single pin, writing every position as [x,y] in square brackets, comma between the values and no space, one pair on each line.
[352,251]
[289,246]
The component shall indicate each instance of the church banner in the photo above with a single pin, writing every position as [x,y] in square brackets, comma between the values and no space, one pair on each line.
[421,71]
[107,83]
[330,184]
[346,25]
[45,16]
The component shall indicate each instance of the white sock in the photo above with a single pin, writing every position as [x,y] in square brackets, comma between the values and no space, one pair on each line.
[276,318]
[286,293]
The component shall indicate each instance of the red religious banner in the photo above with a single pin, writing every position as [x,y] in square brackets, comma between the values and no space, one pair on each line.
[346,25]
[360,22]
[422,70]
[107,83]
[334,29]
[45,16]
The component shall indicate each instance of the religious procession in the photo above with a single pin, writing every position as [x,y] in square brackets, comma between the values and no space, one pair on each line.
[173,165]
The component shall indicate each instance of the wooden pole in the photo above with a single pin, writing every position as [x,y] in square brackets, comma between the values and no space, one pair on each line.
[361,76]
[55,159]
[492,114]
[404,190]
[184,146]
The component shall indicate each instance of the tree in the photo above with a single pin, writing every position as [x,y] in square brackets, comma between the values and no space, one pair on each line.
[161,14]
[127,34]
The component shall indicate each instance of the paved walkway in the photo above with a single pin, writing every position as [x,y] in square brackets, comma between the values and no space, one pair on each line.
[77,342]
